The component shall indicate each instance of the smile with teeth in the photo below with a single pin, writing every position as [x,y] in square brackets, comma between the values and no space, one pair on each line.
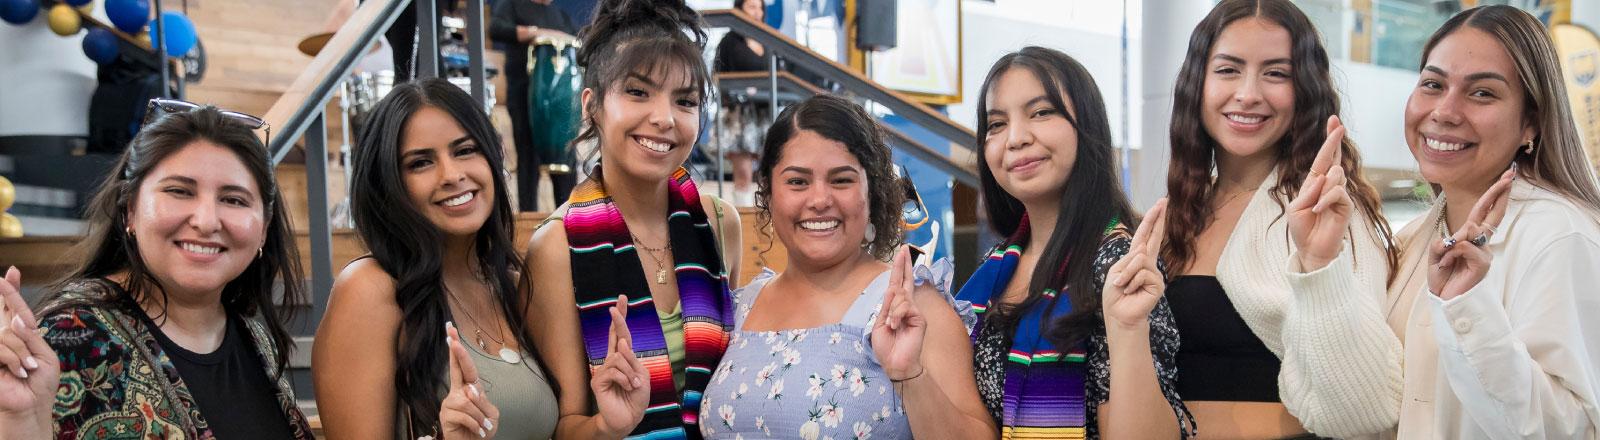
[191,247]
[1243,119]
[1442,145]
[659,147]
[459,200]
[819,225]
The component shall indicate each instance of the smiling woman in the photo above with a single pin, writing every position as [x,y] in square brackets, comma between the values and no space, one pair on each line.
[187,243]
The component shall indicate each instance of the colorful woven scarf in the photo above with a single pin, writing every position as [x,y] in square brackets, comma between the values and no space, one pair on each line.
[1044,388]
[605,264]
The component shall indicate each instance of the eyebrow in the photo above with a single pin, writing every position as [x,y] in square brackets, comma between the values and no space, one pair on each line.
[834,170]
[1472,77]
[1030,103]
[1237,60]
[425,150]
[652,84]
[186,180]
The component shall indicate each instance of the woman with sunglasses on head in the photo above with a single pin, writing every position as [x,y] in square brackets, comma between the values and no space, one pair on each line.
[1049,184]
[637,234]
[426,335]
[1495,296]
[1280,253]
[168,327]
[840,345]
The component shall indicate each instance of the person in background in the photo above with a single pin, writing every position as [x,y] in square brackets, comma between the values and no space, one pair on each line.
[519,24]
[1495,297]
[742,121]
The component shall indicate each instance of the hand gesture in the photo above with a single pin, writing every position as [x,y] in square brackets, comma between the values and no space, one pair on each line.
[1134,284]
[1458,263]
[897,334]
[466,412]
[30,367]
[621,385]
[1320,213]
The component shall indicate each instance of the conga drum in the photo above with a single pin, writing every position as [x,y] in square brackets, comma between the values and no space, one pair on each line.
[554,85]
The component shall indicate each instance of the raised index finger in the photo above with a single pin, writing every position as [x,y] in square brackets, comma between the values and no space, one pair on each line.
[619,323]
[12,296]
[1492,200]
[1330,151]
[1141,236]
[1158,233]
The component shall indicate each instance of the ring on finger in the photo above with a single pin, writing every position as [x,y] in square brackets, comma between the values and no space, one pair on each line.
[1480,240]
[1449,242]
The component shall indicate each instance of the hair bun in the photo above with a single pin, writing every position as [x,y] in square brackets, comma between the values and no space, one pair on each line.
[617,21]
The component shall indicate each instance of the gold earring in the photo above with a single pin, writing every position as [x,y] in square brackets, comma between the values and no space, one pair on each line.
[1528,148]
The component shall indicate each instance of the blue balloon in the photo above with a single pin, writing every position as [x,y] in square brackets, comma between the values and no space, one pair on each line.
[77,3]
[128,16]
[18,11]
[179,37]
[101,46]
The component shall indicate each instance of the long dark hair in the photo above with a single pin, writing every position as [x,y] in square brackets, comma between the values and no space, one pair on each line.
[839,120]
[1189,183]
[1091,198]
[107,248]
[407,246]
[634,36]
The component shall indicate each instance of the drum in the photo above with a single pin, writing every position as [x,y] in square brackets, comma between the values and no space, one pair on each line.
[361,93]
[554,85]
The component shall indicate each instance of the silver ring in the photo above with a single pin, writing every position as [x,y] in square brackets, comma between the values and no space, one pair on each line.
[1449,242]
[1480,240]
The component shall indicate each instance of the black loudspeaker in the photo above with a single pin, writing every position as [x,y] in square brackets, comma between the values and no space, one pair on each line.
[875,24]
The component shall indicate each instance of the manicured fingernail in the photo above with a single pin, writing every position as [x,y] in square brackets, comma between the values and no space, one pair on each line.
[488,424]
[22,373]
[482,434]
[473,388]
[16,322]
[30,362]
[635,381]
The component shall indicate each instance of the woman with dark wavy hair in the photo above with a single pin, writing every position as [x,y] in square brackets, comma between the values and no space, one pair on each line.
[631,275]
[1280,253]
[425,336]
[1049,182]
[168,327]
[1495,296]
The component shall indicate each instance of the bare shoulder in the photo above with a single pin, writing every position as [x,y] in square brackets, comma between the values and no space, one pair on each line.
[363,283]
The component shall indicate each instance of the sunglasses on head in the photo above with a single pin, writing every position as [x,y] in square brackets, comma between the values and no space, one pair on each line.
[159,107]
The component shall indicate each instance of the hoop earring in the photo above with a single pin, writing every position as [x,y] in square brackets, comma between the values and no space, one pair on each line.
[1528,148]
[260,251]
[128,231]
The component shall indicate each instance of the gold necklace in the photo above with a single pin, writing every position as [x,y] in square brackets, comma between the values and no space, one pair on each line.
[661,267]
[506,353]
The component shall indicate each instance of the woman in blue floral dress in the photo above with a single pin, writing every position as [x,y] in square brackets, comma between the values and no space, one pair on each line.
[840,345]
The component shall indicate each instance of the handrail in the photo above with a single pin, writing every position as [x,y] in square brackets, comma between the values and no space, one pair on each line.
[307,96]
[788,82]
[803,57]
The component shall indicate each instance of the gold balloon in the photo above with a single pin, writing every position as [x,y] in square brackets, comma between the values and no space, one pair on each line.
[87,8]
[10,226]
[8,194]
[144,37]
[64,21]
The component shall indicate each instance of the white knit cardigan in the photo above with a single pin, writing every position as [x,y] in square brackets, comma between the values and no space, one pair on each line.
[1341,374]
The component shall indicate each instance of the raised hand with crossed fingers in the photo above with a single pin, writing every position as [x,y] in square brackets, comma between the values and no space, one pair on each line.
[1319,216]
[466,411]
[1134,285]
[30,367]
[1458,262]
[621,385]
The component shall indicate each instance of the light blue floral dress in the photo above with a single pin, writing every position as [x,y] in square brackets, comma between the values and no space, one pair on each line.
[815,383]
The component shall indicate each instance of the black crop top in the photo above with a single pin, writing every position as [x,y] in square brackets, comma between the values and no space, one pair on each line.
[1219,358]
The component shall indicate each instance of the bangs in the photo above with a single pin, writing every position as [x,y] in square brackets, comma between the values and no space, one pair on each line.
[660,59]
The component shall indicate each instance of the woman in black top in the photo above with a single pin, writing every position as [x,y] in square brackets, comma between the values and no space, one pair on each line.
[168,328]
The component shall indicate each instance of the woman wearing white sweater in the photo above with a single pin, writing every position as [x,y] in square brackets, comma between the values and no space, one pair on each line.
[1276,238]
[1498,315]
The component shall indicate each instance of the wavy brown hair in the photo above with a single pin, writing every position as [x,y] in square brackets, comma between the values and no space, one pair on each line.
[1557,163]
[1189,182]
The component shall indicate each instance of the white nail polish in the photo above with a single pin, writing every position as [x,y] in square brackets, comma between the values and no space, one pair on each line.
[473,389]
[30,362]
[482,434]
[488,424]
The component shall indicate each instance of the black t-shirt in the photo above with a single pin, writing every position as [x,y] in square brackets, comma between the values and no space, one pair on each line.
[508,14]
[230,385]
